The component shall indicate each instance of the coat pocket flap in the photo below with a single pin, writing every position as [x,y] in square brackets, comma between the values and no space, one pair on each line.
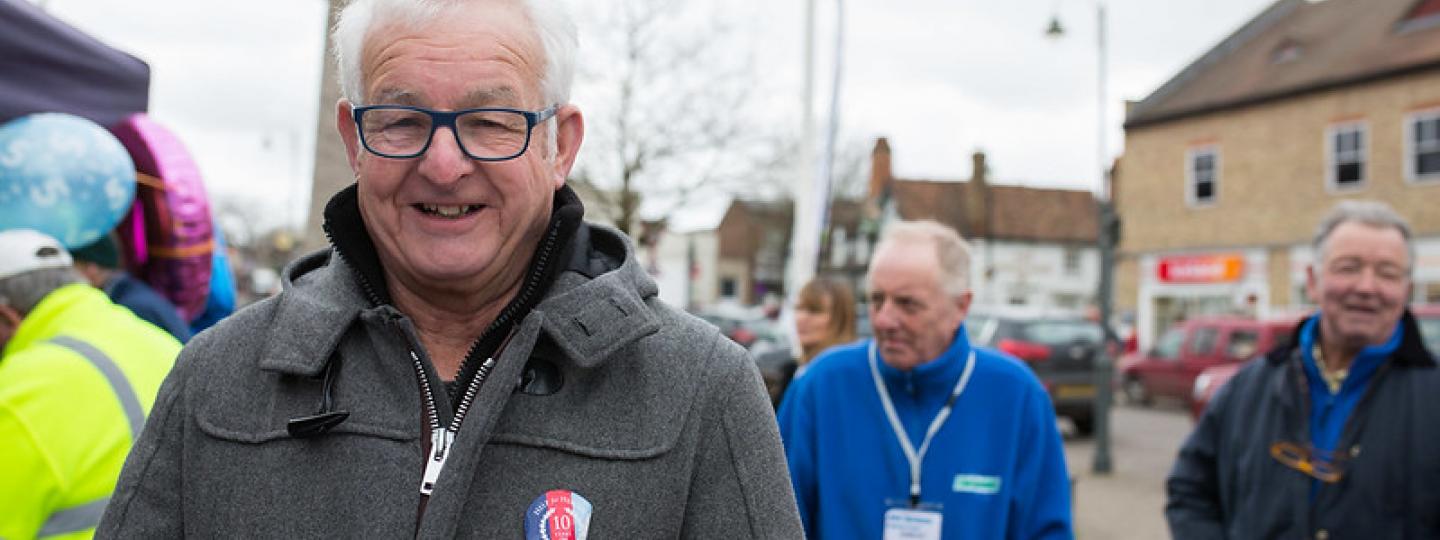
[258,406]
[636,408]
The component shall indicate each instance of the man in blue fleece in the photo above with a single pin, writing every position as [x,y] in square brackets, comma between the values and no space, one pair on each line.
[1335,434]
[915,434]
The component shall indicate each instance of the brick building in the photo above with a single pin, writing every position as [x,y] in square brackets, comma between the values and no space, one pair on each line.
[1030,246]
[1229,165]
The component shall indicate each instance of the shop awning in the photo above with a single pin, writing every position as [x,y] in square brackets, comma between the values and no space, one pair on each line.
[47,65]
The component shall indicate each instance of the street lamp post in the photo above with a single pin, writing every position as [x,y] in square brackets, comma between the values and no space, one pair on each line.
[1109,232]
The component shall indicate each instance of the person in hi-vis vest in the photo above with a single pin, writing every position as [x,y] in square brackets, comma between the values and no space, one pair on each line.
[77,377]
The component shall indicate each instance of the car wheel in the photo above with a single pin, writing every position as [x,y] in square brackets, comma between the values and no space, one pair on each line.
[1135,392]
[1084,427]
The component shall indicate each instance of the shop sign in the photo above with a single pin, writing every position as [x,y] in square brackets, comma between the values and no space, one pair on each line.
[1201,268]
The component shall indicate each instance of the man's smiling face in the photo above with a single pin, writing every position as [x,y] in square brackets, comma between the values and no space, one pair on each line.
[1362,283]
[442,217]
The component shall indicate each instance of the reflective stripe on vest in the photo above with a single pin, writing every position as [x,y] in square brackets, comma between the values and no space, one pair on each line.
[79,518]
[118,383]
[87,516]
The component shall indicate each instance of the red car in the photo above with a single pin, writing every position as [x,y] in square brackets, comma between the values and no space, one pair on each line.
[1170,368]
[1210,380]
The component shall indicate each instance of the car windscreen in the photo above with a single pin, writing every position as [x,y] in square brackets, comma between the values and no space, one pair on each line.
[1169,346]
[1062,332]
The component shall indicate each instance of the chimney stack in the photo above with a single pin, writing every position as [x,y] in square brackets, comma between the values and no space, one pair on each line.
[977,197]
[977,167]
[880,173]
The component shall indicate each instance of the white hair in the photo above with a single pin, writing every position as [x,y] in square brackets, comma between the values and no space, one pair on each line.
[1372,213]
[552,25]
[23,291]
[952,251]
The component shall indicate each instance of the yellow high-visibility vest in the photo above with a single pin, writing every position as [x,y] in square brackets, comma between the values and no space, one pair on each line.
[76,382]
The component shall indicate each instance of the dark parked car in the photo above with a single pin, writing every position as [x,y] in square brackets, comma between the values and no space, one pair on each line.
[1060,349]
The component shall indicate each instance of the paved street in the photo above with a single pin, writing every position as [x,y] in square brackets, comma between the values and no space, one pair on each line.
[1128,503]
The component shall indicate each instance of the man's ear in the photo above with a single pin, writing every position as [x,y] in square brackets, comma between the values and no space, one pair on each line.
[570,132]
[9,322]
[1312,284]
[962,303]
[345,124]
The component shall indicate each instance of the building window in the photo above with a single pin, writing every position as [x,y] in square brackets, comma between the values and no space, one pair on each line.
[1072,260]
[1202,173]
[1422,146]
[1345,149]
[727,287]
[839,248]
[1068,301]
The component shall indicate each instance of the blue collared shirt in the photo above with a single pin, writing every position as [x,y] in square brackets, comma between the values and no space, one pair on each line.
[1330,411]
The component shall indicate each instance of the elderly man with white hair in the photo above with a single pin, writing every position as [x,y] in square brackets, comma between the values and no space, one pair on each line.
[917,434]
[469,358]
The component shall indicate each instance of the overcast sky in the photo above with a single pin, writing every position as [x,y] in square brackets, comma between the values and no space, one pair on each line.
[238,81]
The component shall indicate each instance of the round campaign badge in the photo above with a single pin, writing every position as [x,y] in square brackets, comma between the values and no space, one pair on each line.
[558,514]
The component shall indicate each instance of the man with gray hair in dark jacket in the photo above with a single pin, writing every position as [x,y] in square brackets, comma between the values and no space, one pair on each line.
[1334,435]
[469,359]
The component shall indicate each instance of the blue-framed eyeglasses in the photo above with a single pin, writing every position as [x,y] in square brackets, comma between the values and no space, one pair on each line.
[488,134]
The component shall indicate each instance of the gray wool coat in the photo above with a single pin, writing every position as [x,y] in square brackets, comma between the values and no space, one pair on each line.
[658,421]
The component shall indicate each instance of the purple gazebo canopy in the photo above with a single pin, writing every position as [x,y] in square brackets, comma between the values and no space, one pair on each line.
[49,66]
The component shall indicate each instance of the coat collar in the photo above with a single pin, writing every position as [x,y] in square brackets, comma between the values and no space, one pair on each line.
[594,306]
[1292,387]
[1411,353]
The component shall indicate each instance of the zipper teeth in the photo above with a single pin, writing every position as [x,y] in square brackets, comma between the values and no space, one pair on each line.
[432,415]
[470,391]
[532,282]
[425,388]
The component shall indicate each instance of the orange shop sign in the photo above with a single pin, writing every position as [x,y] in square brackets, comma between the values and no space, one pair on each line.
[1201,268]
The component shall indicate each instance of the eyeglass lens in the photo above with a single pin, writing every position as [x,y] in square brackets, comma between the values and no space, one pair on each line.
[482,134]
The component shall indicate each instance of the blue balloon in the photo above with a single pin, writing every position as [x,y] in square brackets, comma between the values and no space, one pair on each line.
[64,176]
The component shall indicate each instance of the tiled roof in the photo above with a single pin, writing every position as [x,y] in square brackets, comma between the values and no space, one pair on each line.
[1043,214]
[1297,46]
[1016,213]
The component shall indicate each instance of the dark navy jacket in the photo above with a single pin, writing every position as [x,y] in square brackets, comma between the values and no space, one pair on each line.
[1226,484]
[147,304]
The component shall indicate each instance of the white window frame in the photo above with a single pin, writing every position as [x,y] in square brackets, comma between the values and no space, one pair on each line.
[1070,260]
[1411,175]
[1191,182]
[1332,156]
[839,247]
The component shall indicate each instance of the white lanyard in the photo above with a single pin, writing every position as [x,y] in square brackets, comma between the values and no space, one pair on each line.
[910,454]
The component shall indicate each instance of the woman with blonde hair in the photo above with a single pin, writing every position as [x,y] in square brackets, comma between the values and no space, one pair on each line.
[824,317]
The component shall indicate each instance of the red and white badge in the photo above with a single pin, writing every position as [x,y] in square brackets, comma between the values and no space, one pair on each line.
[558,514]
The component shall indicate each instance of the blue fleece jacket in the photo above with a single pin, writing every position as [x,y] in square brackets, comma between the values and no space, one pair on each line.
[996,467]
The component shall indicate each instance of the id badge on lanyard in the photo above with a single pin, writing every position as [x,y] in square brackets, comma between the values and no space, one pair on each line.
[917,520]
[907,523]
